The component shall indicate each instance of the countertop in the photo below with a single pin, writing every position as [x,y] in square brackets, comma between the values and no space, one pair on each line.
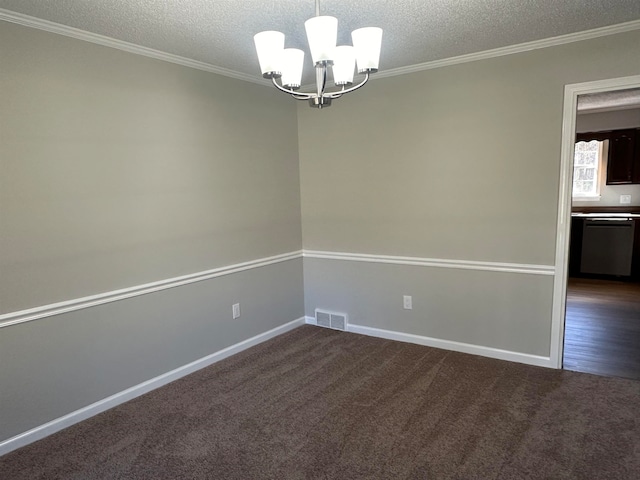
[606,215]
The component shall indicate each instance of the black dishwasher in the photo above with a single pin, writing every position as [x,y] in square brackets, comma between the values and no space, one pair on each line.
[607,246]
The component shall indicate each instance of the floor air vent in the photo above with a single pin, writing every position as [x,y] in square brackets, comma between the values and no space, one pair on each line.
[337,321]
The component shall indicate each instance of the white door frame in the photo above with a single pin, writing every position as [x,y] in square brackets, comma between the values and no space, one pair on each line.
[571,93]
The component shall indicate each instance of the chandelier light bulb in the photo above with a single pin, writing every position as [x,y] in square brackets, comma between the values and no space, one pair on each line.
[344,65]
[367,42]
[322,34]
[292,63]
[270,48]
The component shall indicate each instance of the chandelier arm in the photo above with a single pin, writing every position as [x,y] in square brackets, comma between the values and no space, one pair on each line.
[293,93]
[348,90]
[334,95]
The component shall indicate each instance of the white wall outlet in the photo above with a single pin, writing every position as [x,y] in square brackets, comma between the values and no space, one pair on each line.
[236,310]
[625,199]
[407,302]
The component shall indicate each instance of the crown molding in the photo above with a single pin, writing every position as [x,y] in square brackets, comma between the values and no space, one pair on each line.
[512,49]
[52,27]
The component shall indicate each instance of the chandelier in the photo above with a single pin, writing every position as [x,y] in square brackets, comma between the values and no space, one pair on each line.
[322,33]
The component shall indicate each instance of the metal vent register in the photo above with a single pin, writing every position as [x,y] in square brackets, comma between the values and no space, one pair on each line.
[337,321]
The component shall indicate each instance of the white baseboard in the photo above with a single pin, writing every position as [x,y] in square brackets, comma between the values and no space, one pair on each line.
[490,352]
[100,406]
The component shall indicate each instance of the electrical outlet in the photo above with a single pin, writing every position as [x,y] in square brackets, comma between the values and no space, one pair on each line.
[235,310]
[407,302]
[625,199]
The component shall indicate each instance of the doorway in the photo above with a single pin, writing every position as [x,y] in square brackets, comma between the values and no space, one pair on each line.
[602,320]
[602,307]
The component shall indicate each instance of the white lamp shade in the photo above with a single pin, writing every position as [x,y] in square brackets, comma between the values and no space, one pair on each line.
[322,34]
[367,42]
[270,47]
[292,62]
[344,65]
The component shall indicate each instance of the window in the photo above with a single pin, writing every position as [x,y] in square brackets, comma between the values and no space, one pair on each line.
[587,165]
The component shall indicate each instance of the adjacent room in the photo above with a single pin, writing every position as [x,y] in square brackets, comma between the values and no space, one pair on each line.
[602,331]
[243,240]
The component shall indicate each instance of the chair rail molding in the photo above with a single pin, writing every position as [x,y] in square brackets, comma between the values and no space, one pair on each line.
[434,262]
[28,315]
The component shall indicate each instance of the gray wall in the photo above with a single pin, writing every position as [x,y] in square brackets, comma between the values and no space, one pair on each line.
[119,170]
[57,365]
[460,163]
[495,309]
[601,121]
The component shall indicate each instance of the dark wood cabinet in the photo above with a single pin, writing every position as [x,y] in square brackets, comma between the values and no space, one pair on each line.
[577,240]
[635,262]
[623,164]
[624,158]
[575,246]
[635,174]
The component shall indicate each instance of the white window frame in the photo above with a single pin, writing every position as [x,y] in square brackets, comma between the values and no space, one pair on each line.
[603,148]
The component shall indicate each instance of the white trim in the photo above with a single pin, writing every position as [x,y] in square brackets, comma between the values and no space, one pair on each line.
[434,262]
[100,406]
[22,316]
[490,352]
[52,27]
[563,228]
[44,311]
[78,34]
[513,49]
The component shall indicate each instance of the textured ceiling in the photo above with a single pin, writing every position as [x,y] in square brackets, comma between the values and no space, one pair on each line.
[220,32]
[606,101]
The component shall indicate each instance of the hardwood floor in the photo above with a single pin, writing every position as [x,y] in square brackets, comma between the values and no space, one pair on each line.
[602,328]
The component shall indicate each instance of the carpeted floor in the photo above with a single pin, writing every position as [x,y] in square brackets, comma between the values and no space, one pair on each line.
[320,404]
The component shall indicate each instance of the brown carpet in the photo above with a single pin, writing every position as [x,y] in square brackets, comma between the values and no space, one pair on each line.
[320,404]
